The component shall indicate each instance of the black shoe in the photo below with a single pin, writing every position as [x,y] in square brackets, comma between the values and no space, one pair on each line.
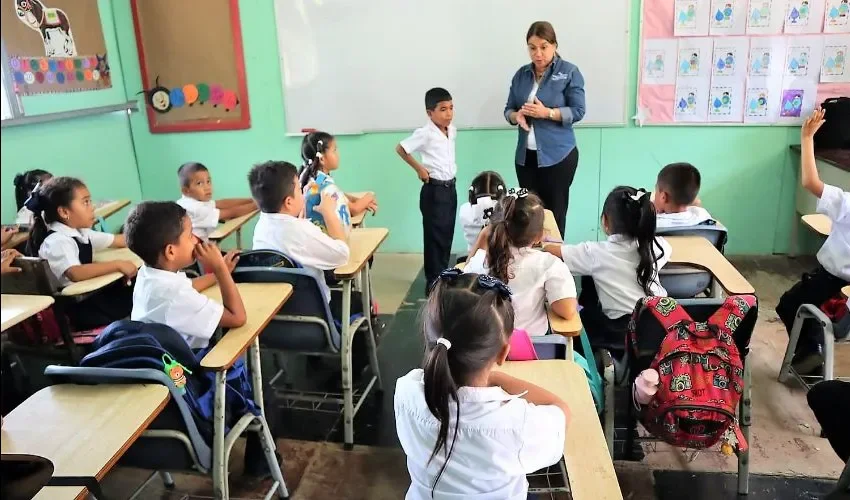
[259,468]
[806,363]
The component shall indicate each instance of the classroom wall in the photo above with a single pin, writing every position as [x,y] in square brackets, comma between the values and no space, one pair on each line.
[98,149]
[746,171]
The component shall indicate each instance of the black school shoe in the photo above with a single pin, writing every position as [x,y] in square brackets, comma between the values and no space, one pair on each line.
[809,362]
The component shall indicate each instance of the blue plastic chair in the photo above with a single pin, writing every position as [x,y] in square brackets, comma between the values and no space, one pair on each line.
[684,282]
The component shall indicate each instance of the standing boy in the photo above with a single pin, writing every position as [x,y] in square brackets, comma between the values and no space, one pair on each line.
[435,142]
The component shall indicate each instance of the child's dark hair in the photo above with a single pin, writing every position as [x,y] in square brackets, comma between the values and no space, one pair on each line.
[629,211]
[681,180]
[436,96]
[26,182]
[477,319]
[487,183]
[151,226]
[271,184]
[313,147]
[516,222]
[44,202]
[187,170]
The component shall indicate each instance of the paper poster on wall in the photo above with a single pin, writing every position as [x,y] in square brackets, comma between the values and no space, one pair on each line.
[728,17]
[802,59]
[767,55]
[726,103]
[836,16]
[691,18]
[691,102]
[834,66]
[804,16]
[730,57]
[762,102]
[659,61]
[55,46]
[765,17]
[797,101]
[695,56]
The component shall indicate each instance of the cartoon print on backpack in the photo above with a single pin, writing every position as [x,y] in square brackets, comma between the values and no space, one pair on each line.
[680,383]
[720,381]
[665,306]
[666,368]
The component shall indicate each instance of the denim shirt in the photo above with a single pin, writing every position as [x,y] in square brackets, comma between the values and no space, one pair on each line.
[562,87]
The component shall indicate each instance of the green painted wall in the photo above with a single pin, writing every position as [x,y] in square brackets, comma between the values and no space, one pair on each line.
[98,149]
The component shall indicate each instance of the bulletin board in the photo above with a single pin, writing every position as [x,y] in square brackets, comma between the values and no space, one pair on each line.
[192,65]
[754,62]
[54,46]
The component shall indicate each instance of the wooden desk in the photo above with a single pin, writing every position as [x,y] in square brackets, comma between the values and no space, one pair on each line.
[82,429]
[699,252]
[846,292]
[568,328]
[225,229]
[91,285]
[357,220]
[819,223]
[363,243]
[16,308]
[262,301]
[104,209]
[550,228]
[589,466]
[112,254]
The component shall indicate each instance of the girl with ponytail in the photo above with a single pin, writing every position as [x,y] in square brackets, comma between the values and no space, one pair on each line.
[535,277]
[468,430]
[24,184]
[619,271]
[484,193]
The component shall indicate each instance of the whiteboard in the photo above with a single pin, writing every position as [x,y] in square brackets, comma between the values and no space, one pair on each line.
[352,66]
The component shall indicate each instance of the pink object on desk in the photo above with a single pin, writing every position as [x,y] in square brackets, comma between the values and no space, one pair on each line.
[522,349]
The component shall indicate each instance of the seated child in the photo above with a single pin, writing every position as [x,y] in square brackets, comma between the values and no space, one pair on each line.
[62,235]
[534,277]
[675,197]
[833,271]
[321,157]
[485,192]
[24,184]
[196,185]
[468,430]
[619,271]
[161,234]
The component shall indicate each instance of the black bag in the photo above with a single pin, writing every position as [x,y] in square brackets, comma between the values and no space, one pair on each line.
[835,132]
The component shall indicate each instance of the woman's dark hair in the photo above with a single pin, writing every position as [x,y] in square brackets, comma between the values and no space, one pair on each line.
[44,202]
[629,211]
[26,182]
[477,319]
[544,30]
[517,222]
[487,183]
[313,147]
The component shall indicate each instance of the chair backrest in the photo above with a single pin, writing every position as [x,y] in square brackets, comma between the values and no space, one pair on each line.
[715,233]
[35,278]
[265,258]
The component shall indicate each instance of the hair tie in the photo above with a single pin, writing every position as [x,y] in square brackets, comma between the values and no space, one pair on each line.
[445,342]
[471,189]
[33,203]
[638,195]
[319,149]
[517,193]
[500,188]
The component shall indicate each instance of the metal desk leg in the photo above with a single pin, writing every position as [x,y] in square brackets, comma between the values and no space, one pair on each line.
[266,437]
[570,355]
[219,470]
[367,312]
[239,239]
[347,383]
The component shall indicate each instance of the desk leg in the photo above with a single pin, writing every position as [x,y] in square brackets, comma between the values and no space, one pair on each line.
[266,437]
[570,355]
[347,383]
[366,293]
[239,239]
[219,472]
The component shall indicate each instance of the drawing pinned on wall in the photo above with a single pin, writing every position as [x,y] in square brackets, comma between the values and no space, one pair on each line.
[689,60]
[804,16]
[798,13]
[720,101]
[757,102]
[837,16]
[659,61]
[691,18]
[654,68]
[760,13]
[760,60]
[834,62]
[766,17]
[797,61]
[725,61]
[728,17]
[691,102]
[792,103]
[52,24]
[686,101]
[723,15]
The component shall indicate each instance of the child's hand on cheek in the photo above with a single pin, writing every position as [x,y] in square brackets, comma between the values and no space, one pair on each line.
[209,256]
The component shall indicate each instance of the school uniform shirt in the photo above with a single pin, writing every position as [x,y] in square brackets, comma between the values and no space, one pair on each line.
[203,214]
[834,255]
[501,438]
[437,150]
[168,298]
[691,216]
[473,218]
[313,197]
[613,264]
[303,242]
[538,277]
[61,251]
[24,217]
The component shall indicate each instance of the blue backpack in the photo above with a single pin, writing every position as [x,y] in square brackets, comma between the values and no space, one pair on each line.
[133,344]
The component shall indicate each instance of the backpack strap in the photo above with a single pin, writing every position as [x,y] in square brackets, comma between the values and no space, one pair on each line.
[667,311]
[728,317]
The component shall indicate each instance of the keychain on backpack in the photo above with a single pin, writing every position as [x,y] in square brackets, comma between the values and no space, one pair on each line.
[176,371]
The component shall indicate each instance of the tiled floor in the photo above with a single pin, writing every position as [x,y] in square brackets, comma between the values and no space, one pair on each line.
[785,435]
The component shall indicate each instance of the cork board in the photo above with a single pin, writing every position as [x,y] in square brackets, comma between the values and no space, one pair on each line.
[54,46]
[192,65]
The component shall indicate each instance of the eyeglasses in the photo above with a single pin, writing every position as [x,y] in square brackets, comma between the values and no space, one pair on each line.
[484,281]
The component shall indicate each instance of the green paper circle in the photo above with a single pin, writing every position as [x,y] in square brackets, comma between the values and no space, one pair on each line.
[78,63]
[34,64]
[80,76]
[203,92]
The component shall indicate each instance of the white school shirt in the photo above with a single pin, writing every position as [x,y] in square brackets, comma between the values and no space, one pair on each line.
[532,139]
[24,217]
[613,266]
[501,438]
[203,214]
[691,216]
[61,251]
[538,277]
[834,255]
[168,298]
[302,241]
[472,219]
[437,150]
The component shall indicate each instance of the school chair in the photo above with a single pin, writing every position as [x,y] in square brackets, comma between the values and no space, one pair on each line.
[833,334]
[305,326]
[650,334]
[684,282]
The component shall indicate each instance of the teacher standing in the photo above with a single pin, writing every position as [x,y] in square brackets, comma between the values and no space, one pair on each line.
[545,100]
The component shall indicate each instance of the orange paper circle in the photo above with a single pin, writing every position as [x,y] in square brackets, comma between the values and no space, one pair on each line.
[190,92]
[42,65]
[69,64]
[88,75]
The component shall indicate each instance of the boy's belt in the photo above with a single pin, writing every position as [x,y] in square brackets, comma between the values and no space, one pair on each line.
[437,182]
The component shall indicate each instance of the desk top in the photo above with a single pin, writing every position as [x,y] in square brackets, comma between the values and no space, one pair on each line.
[837,157]
[363,242]
[94,284]
[819,223]
[262,301]
[106,208]
[356,220]
[698,252]
[82,429]
[561,326]
[111,254]
[846,291]
[16,308]
[61,493]
[589,465]
[550,227]
[227,228]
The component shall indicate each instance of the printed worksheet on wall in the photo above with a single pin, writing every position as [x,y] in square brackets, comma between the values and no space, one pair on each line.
[836,16]
[691,17]
[801,73]
[766,17]
[693,77]
[728,17]
[728,78]
[834,62]
[659,61]
[804,16]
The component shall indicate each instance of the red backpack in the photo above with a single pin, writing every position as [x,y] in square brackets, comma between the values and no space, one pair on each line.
[700,373]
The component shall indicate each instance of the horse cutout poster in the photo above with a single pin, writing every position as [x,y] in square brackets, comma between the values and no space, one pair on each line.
[192,65]
[54,45]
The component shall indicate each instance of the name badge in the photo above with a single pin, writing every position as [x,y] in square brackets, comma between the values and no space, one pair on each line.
[560,76]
